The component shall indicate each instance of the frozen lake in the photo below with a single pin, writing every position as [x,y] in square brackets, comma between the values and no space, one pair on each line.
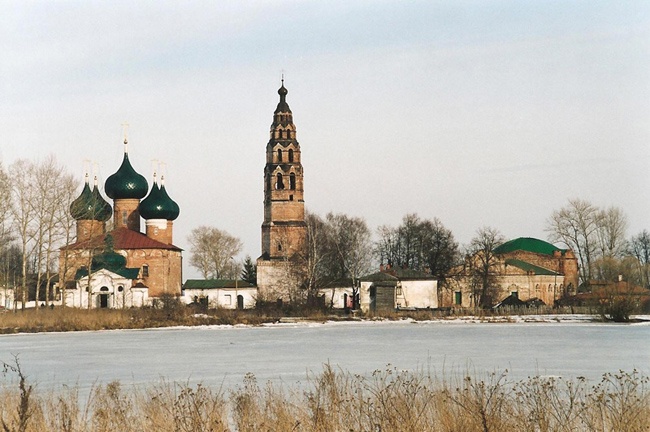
[287,352]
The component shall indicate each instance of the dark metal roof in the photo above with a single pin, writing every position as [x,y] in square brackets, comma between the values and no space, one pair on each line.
[215,284]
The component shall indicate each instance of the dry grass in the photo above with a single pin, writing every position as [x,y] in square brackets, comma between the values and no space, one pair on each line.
[71,319]
[174,313]
[333,401]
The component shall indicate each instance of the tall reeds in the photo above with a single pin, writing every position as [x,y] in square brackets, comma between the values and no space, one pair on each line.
[336,401]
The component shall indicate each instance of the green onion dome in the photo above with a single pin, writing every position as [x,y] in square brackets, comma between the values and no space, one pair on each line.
[90,205]
[158,204]
[126,183]
[109,260]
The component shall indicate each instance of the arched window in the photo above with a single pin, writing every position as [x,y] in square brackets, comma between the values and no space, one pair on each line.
[290,155]
[279,184]
[279,246]
[292,181]
[280,154]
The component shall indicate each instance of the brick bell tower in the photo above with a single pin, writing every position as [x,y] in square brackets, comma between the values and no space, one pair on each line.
[283,230]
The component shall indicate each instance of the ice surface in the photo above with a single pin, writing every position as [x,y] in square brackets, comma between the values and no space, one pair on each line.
[561,345]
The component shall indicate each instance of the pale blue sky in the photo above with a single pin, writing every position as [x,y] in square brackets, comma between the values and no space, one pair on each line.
[475,112]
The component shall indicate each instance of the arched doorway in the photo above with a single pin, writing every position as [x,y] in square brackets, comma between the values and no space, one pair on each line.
[240,301]
[103,297]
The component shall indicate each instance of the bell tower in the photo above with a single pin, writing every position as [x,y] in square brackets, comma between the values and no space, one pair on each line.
[283,230]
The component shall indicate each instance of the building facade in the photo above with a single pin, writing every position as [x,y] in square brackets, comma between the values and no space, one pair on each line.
[220,293]
[392,289]
[280,271]
[122,267]
[525,268]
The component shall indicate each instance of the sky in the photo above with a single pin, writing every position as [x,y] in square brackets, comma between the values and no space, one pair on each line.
[480,113]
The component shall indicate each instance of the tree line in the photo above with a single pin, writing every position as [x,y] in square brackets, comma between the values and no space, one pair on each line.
[342,248]
[35,222]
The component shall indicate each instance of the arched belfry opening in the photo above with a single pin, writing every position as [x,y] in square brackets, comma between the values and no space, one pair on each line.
[290,155]
[279,183]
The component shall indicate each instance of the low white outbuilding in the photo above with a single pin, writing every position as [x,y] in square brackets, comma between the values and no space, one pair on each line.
[394,288]
[220,293]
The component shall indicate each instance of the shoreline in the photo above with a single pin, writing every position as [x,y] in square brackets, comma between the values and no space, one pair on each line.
[283,322]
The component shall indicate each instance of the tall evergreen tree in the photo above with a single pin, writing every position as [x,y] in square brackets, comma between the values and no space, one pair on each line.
[249,272]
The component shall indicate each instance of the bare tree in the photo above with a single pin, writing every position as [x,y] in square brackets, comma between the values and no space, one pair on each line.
[612,232]
[317,251]
[211,251]
[22,195]
[424,245]
[53,191]
[639,248]
[5,210]
[482,266]
[577,226]
[351,247]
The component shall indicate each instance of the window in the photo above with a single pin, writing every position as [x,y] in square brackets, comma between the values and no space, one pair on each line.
[279,155]
[292,181]
[279,184]
[125,218]
[290,197]
[458,298]
[290,155]
[227,299]
[145,271]
[120,288]
[279,246]
[398,291]
[537,288]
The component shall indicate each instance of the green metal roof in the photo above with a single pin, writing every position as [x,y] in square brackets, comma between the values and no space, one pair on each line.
[215,284]
[528,267]
[527,244]
[127,273]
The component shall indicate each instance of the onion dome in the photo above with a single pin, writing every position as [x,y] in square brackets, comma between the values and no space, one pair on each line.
[90,205]
[283,106]
[158,204]
[126,183]
[109,259]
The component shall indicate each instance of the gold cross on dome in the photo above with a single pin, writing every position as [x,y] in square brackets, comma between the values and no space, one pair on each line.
[125,130]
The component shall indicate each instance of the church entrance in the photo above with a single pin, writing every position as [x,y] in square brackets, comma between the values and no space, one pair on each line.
[103,298]
[240,301]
